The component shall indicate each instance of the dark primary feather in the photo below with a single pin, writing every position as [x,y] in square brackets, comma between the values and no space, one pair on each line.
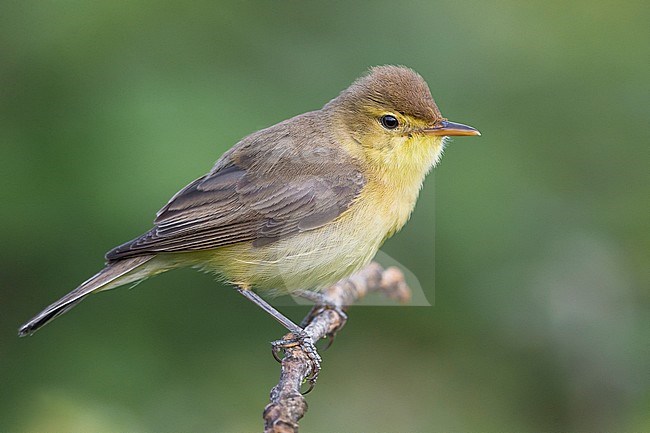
[111,273]
[274,183]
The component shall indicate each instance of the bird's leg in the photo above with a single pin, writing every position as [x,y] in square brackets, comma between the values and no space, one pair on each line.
[299,338]
[321,302]
[281,318]
[315,297]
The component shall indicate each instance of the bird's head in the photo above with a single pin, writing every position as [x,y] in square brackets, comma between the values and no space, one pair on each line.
[390,113]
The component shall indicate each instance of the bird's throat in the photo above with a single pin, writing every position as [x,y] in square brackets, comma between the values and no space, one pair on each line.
[396,183]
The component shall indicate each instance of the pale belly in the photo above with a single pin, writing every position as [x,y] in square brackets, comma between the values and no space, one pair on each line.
[310,260]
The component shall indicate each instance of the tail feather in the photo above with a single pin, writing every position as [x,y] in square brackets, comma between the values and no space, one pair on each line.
[113,275]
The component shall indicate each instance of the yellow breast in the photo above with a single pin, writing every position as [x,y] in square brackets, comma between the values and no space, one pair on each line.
[394,185]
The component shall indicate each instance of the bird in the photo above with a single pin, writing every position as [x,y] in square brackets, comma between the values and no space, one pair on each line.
[295,206]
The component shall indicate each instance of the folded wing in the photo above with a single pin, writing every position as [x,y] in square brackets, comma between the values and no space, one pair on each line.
[248,199]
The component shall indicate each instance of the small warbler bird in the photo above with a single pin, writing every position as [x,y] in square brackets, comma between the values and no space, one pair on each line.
[298,205]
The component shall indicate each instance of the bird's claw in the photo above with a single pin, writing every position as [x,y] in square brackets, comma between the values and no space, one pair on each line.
[318,309]
[304,341]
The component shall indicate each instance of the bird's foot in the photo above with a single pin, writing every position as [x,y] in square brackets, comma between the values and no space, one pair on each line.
[307,346]
[322,303]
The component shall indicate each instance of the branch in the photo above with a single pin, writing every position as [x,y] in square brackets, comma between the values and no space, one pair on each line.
[287,405]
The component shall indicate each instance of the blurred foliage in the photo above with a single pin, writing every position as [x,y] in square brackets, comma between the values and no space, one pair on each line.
[541,318]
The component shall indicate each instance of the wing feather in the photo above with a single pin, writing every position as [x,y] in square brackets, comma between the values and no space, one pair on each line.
[262,190]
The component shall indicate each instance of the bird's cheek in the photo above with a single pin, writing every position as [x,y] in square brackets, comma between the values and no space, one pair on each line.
[431,141]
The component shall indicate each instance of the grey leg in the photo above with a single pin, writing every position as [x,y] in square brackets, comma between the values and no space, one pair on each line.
[315,297]
[282,319]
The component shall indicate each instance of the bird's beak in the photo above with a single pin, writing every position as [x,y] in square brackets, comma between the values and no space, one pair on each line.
[451,128]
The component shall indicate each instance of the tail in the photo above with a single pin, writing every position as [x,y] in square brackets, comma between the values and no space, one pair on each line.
[113,275]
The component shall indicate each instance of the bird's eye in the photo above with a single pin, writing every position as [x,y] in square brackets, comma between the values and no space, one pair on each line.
[389,122]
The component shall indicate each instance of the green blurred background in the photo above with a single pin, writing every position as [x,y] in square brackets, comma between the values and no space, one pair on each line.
[542,310]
